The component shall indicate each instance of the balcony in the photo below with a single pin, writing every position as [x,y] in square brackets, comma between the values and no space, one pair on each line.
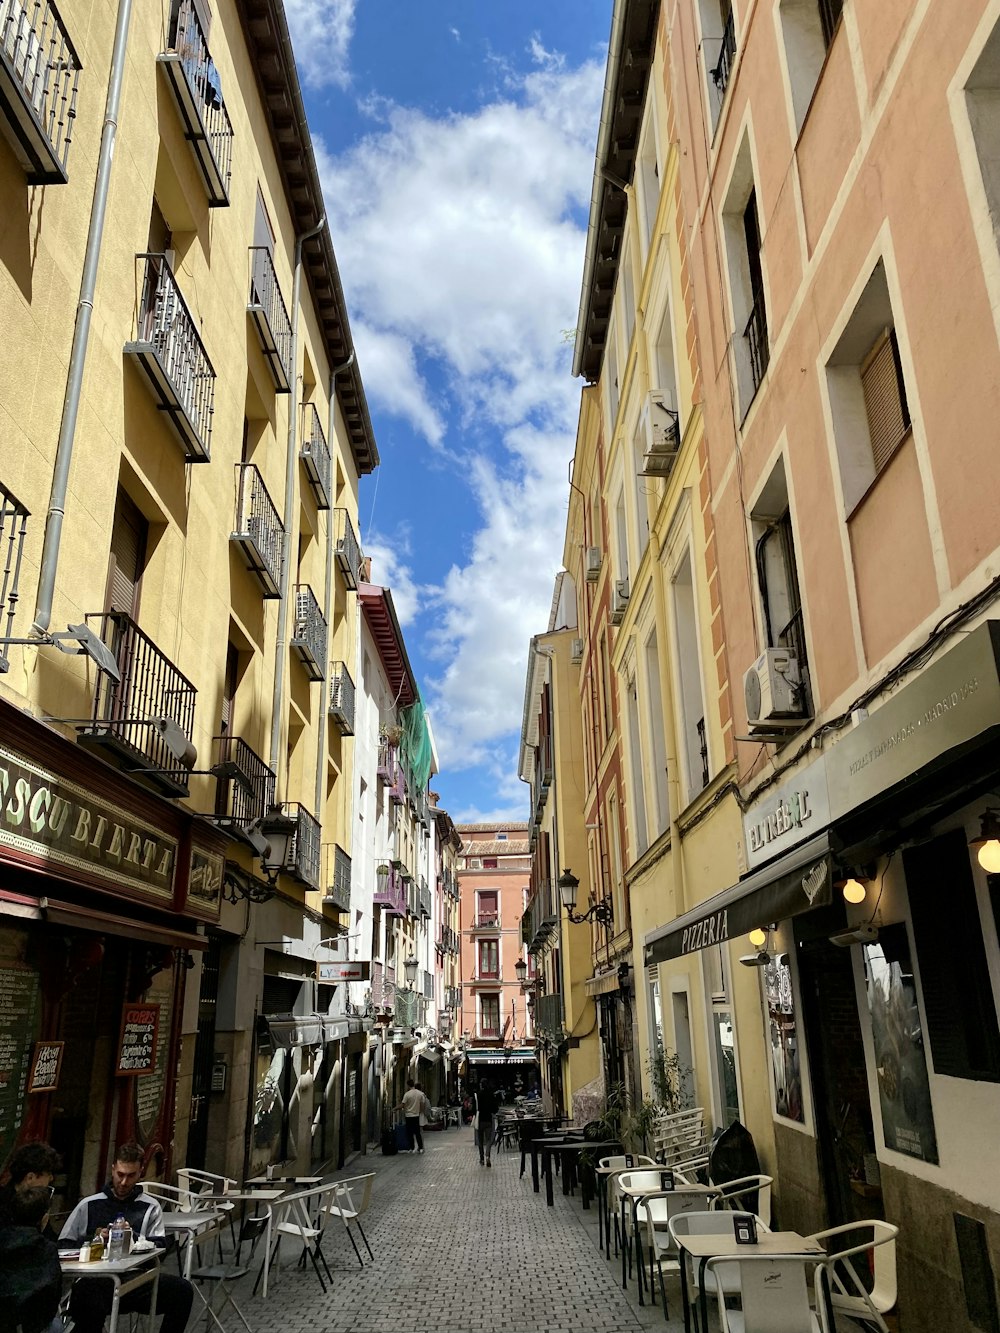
[259,533]
[128,715]
[169,349]
[338,888]
[486,921]
[13,530]
[541,919]
[270,316]
[390,770]
[393,895]
[727,54]
[39,74]
[309,634]
[198,91]
[755,334]
[244,784]
[342,698]
[304,850]
[346,548]
[549,1015]
[424,901]
[315,454]
[428,985]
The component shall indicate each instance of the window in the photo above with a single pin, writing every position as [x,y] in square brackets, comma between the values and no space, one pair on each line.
[954,972]
[829,13]
[658,740]
[694,741]
[13,528]
[129,536]
[718,45]
[626,290]
[489,959]
[621,537]
[487,913]
[489,863]
[742,232]
[501,837]
[806,34]
[982,94]
[756,328]
[611,378]
[617,878]
[637,786]
[783,620]
[722,1037]
[868,401]
[489,1015]
[648,173]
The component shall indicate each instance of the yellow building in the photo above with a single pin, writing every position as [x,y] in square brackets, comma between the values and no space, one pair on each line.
[183,427]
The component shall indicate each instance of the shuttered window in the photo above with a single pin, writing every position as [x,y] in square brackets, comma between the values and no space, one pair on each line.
[128,553]
[229,689]
[885,398]
[954,974]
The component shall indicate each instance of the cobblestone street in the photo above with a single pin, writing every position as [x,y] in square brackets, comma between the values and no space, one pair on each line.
[458,1249]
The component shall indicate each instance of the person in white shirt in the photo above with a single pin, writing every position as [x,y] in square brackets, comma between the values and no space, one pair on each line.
[413,1103]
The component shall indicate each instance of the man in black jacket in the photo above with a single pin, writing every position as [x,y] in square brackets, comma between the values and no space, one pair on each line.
[30,1280]
[123,1196]
[32,1166]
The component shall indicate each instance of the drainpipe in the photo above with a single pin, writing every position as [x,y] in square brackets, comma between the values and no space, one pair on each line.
[81,331]
[328,598]
[281,647]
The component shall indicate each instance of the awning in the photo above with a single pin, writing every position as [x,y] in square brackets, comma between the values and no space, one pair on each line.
[601,983]
[796,882]
[432,1056]
[499,1057]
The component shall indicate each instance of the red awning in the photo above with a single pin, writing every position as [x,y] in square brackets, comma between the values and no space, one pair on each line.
[104,923]
[379,612]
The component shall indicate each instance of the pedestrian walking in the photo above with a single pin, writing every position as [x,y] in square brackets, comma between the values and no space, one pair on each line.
[486,1105]
[413,1103]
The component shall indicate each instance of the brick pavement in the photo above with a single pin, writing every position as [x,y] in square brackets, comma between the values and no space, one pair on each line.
[459,1249]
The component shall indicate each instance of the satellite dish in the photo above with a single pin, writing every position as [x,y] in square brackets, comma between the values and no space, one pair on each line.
[88,642]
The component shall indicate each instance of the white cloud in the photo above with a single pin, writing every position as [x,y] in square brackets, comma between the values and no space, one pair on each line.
[391,569]
[321,35]
[460,243]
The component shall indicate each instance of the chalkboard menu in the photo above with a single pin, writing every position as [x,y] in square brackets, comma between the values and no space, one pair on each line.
[149,1088]
[45,1065]
[19,1000]
[137,1046]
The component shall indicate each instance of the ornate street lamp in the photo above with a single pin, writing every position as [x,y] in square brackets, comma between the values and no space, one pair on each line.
[601,912]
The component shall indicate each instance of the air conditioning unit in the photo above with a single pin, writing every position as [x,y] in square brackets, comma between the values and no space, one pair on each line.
[593,564]
[659,426]
[576,651]
[772,689]
[619,601]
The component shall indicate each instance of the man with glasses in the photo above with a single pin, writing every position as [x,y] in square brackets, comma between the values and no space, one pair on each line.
[31,1167]
[30,1280]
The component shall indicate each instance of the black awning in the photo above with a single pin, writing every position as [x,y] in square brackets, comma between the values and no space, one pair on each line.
[796,882]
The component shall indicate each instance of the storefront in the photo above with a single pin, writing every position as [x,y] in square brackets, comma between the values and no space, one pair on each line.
[102,889]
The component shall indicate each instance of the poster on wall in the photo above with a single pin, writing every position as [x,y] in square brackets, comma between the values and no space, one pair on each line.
[45,1066]
[786,1075]
[137,1044]
[900,1062]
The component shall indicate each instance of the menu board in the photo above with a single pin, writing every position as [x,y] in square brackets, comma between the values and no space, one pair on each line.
[45,1066]
[19,1000]
[137,1046]
[150,1087]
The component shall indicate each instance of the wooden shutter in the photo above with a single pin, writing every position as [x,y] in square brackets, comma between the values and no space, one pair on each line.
[885,405]
[229,689]
[128,552]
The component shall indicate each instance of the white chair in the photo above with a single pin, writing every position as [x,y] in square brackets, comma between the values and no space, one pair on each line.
[712,1223]
[218,1277]
[350,1200]
[774,1294]
[172,1198]
[847,1292]
[198,1182]
[679,1139]
[607,1171]
[734,1195]
[303,1217]
[656,1207]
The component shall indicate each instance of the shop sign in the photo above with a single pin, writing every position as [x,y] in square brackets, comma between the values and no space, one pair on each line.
[137,1045]
[353,971]
[46,816]
[949,703]
[205,883]
[788,814]
[45,1066]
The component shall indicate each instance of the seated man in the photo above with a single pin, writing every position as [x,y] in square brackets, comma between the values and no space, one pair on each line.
[123,1196]
[30,1280]
[32,1166]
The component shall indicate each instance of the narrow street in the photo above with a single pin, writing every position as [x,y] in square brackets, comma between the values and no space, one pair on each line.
[459,1249]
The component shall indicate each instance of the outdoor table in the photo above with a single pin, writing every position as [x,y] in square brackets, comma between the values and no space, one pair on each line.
[193,1228]
[266,1182]
[543,1145]
[635,1194]
[268,1197]
[571,1152]
[723,1245]
[128,1274]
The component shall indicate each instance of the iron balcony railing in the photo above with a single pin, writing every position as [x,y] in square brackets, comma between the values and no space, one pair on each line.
[388,762]
[702,750]
[829,14]
[309,634]
[245,784]
[428,985]
[270,315]
[346,548]
[169,349]
[305,849]
[487,921]
[129,714]
[541,919]
[39,77]
[338,885]
[13,528]
[727,54]
[756,336]
[259,530]
[198,91]
[393,896]
[315,454]
[549,1016]
[453,998]
[342,698]
[424,901]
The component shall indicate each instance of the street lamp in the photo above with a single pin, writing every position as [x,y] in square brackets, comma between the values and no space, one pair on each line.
[601,912]
[279,829]
[410,968]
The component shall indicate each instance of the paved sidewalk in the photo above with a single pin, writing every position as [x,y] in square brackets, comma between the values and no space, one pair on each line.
[458,1249]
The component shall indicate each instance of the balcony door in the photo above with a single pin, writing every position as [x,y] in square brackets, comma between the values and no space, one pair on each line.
[488,908]
[129,537]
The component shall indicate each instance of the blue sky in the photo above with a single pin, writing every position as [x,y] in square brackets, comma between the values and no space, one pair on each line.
[456,142]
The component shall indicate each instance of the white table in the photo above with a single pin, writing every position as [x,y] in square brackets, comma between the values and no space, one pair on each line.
[693,1196]
[724,1245]
[195,1228]
[269,1181]
[144,1268]
[267,1197]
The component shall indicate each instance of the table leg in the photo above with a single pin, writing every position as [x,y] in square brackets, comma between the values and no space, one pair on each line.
[702,1296]
[682,1255]
[267,1251]
[115,1300]
[624,1243]
[534,1166]
[547,1173]
[640,1262]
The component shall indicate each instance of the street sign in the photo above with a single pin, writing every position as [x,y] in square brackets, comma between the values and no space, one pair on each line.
[353,971]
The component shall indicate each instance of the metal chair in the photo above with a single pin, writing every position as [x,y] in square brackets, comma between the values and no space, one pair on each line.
[848,1294]
[715,1222]
[607,1171]
[218,1277]
[351,1199]
[305,1218]
[774,1294]
[658,1207]
[748,1194]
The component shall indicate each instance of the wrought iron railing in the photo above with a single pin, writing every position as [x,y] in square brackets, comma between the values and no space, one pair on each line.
[428,985]
[315,454]
[258,521]
[756,336]
[342,697]
[487,921]
[338,885]
[393,895]
[549,1016]
[44,67]
[126,712]
[424,901]
[13,527]
[245,790]
[305,850]
[167,326]
[271,315]
[346,548]
[309,634]
[727,54]
[702,750]
[204,101]
[829,14]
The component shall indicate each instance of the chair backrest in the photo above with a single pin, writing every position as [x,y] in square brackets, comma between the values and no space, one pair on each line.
[879,1247]
[171,1197]
[624,1162]
[357,1190]
[774,1292]
[658,1207]
[748,1194]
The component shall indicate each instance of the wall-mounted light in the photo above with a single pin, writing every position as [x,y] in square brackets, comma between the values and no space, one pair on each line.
[758,937]
[602,911]
[279,829]
[987,845]
[854,884]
